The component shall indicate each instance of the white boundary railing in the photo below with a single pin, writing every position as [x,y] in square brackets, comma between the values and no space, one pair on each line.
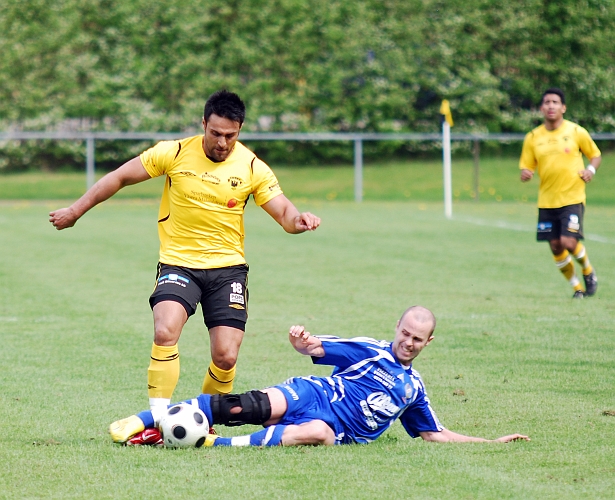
[357,139]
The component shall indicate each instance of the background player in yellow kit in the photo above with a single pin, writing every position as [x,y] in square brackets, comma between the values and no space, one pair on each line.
[208,181]
[555,150]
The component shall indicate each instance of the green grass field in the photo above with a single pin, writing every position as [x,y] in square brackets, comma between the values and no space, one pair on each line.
[512,353]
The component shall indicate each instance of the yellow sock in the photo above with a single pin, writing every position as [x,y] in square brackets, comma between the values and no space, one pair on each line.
[218,381]
[564,262]
[162,374]
[581,256]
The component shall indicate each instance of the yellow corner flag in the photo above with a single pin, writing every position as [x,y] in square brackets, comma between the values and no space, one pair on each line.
[445,111]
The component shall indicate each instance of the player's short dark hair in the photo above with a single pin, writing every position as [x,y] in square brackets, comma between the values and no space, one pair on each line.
[225,104]
[553,90]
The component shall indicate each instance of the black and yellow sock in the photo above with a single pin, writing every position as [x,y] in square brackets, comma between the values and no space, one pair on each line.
[162,374]
[580,254]
[564,262]
[218,381]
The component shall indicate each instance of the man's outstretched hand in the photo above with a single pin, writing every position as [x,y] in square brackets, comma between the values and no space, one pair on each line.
[512,437]
[307,221]
[63,218]
[304,342]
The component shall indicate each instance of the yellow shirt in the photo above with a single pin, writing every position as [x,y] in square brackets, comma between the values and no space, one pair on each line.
[557,156]
[201,212]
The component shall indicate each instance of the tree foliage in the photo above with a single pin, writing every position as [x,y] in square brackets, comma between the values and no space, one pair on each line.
[322,65]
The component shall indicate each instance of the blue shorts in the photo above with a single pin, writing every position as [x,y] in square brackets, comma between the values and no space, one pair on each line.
[306,402]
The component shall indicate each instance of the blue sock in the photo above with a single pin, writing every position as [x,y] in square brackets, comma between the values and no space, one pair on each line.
[147,418]
[204,401]
[270,436]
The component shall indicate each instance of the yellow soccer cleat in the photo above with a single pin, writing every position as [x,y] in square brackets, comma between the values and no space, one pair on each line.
[210,439]
[122,430]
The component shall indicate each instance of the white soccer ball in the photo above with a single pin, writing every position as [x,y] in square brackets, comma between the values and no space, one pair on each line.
[184,426]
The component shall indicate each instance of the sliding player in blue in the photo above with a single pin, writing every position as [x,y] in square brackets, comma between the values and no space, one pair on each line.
[373,384]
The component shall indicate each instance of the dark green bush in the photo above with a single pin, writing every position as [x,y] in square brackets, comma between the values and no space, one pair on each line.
[318,65]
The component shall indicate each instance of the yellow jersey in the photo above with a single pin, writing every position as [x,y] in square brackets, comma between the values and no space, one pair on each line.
[201,211]
[557,157]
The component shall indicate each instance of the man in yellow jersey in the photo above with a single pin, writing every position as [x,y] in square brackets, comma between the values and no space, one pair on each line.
[555,150]
[208,181]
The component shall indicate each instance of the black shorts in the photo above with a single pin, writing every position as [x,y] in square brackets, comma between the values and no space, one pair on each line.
[556,222]
[222,292]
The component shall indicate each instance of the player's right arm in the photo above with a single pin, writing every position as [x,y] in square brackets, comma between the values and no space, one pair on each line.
[131,172]
[304,343]
[527,163]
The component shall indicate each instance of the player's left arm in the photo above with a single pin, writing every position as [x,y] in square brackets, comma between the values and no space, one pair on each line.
[590,150]
[304,342]
[594,164]
[286,214]
[446,436]
[420,420]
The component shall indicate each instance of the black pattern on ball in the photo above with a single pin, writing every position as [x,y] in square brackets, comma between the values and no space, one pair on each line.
[174,410]
[179,432]
[198,418]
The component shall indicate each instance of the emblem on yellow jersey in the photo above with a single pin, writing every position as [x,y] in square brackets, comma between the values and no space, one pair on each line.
[235,182]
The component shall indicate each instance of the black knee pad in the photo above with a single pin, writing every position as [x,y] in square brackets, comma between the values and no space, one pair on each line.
[255,408]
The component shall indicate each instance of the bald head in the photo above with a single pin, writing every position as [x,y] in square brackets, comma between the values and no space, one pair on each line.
[412,333]
[421,315]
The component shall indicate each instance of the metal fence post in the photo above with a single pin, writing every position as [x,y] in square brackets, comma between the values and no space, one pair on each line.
[89,165]
[358,170]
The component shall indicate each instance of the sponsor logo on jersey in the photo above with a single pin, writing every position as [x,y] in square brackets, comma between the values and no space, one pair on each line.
[231,203]
[236,306]
[235,182]
[573,223]
[378,402]
[381,403]
[369,416]
[292,392]
[544,227]
[188,174]
[384,378]
[204,198]
[174,279]
[235,297]
[211,179]
[274,186]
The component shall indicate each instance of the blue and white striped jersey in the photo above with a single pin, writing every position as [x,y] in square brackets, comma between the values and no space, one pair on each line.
[369,389]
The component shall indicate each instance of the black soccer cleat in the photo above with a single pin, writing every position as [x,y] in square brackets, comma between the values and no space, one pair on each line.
[591,283]
[579,294]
